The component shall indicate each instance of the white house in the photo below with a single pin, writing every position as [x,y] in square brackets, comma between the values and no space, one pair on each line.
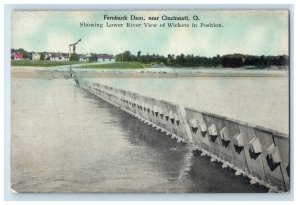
[83,58]
[65,57]
[105,57]
[59,57]
[35,56]
[54,57]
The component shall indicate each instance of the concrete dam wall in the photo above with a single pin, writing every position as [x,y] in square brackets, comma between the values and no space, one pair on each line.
[256,152]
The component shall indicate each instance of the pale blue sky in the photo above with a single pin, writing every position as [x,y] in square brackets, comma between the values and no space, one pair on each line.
[253,32]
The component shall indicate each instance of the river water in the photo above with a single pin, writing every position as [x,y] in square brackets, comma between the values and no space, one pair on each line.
[64,139]
[259,101]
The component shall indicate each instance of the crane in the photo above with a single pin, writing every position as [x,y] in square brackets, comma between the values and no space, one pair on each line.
[71,72]
[74,47]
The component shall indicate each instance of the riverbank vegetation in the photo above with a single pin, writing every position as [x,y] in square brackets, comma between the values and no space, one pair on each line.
[225,61]
[42,63]
[117,65]
[21,57]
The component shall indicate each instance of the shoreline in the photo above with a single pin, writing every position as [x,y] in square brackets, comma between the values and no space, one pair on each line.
[19,71]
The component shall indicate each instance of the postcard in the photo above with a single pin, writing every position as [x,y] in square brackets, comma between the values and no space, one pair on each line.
[150,101]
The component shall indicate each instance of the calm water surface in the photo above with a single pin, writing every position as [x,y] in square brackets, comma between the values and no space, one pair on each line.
[260,101]
[66,140]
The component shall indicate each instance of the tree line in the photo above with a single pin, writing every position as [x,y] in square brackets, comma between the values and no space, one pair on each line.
[171,60]
[225,61]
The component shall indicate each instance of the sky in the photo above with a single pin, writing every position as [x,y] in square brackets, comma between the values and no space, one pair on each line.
[253,32]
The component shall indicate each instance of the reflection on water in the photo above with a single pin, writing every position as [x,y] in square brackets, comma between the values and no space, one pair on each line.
[66,140]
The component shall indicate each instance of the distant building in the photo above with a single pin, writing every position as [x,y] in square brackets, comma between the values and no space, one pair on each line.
[65,57]
[105,57]
[17,56]
[83,58]
[35,56]
[47,55]
[54,57]
[59,57]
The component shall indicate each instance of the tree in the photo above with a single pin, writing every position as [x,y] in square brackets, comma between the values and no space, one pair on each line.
[42,56]
[26,55]
[233,61]
[74,57]
[126,56]
[138,54]
[93,57]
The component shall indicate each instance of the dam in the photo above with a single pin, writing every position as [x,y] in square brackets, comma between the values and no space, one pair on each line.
[259,153]
[133,133]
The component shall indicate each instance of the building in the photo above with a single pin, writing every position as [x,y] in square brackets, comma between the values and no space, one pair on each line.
[47,55]
[17,56]
[105,57]
[65,57]
[54,57]
[35,56]
[59,57]
[83,58]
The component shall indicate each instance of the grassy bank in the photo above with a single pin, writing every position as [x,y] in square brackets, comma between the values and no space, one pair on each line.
[117,65]
[41,63]
[47,63]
